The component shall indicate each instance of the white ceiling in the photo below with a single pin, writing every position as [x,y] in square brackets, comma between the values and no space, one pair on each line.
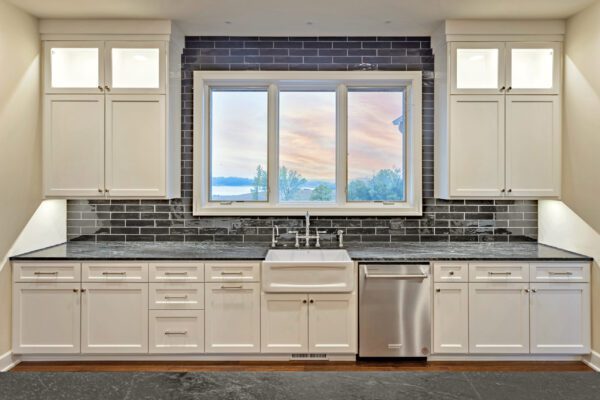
[305,17]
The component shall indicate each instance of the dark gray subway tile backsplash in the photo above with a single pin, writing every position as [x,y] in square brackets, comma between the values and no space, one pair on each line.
[172,220]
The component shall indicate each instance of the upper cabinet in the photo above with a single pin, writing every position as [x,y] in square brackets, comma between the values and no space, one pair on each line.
[505,67]
[497,109]
[111,116]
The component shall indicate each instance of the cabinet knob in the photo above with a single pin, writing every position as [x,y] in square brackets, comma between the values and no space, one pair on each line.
[502,88]
[107,88]
[311,301]
[451,273]
[503,190]
[509,89]
[303,301]
[83,290]
[100,88]
[75,290]
[509,190]
[438,290]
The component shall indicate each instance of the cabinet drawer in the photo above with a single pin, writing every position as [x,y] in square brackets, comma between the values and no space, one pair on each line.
[560,272]
[177,296]
[451,272]
[174,331]
[47,272]
[498,272]
[232,272]
[115,272]
[176,272]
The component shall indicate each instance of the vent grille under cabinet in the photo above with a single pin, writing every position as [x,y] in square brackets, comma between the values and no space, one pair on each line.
[306,356]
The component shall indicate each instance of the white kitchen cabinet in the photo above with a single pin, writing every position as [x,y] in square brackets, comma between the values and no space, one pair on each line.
[136,67]
[560,318]
[477,67]
[232,317]
[114,317]
[136,145]
[451,318]
[533,143]
[284,323]
[74,67]
[533,67]
[332,323]
[46,318]
[176,331]
[499,318]
[74,145]
[477,146]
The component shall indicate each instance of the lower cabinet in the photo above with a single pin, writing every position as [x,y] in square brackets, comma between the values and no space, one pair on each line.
[317,323]
[232,318]
[560,318]
[46,318]
[114,317]
[176,331]
[499,318]
[451,318]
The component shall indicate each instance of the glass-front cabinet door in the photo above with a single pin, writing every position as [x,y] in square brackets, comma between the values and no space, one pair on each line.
[135,67]
[533,68]
[477,68]
[74,67]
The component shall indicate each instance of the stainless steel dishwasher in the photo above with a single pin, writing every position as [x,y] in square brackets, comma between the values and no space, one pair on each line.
[394,310]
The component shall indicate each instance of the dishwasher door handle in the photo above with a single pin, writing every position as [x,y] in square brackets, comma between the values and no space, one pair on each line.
[393,276]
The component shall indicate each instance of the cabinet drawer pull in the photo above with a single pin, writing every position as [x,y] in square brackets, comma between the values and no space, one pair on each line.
[45,273]
[176,273]
[114,273]
[232,287]
[451,273]
[231,273]
[567,273]
[175,332]
[176,297]
[499,273]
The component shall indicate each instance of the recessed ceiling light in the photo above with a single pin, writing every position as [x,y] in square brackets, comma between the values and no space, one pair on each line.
[387,22]
[228,22]
[309,22]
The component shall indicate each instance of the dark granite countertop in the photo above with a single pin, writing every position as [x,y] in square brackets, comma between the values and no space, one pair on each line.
[390,252]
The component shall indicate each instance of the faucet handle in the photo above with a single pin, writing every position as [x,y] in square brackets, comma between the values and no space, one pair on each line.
[341,237]
[297,244]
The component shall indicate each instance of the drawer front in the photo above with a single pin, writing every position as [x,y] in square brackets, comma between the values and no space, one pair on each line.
[451,272]
[560,272]
[232,272]
[176,331]
[176,296]
[47,272]
[176,272]
[498,272]
[115,272]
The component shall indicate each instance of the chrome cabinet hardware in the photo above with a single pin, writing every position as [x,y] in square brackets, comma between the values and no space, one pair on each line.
[107,88]
[176,332]
[534,290]
[100,88]
[566,273]
[393,276]
[105,273]
[526,290]
[502,88]
[176,297]
[45,273]
[232,287]
[491,273]
[176,273]
[231,273]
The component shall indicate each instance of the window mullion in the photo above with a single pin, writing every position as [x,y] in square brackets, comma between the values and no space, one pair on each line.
[273,140]
[341,166]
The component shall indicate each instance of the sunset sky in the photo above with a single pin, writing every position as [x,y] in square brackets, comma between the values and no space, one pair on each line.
[307,133]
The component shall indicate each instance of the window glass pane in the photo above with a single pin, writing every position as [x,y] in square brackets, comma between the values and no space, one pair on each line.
[307,134]
[477,68]
[532,68]
[239,145]
[74,67]
[376,149]
[135,68]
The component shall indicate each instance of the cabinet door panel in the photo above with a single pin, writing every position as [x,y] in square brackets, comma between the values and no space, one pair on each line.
[477,67]
[232,317]
[136,67]
[176,331]
[533,146]
[135,146]
[284,323]
[533,68]
[332,323]
[74,67]
[498,318]
[560,318]
[451,318]
[114,318]
[74,145]
[46,318]
[477,146]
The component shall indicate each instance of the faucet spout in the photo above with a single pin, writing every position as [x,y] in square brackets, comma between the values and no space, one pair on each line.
[307,232]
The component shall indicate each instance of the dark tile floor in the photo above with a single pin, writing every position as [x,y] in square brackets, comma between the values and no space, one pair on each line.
[301,385]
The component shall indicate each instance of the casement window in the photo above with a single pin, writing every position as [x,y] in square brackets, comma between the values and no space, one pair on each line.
[283,143]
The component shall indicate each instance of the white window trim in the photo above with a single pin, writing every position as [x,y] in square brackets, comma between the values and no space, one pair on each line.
[203,80]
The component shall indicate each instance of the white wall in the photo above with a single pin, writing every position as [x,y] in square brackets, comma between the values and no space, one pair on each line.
[574,224]
[20,151]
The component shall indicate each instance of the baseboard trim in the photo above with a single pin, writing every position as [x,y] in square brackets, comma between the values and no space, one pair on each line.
[8,361]
[174,357]
[500,357]
[593,361]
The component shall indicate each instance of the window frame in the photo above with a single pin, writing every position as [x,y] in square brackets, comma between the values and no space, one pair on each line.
[307,80]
